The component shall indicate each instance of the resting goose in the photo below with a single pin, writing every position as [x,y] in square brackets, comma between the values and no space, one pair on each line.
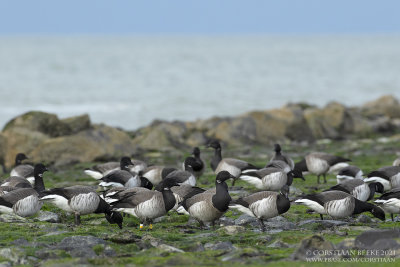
[198,166]
[116,193]
[319,163]
[100,170]
[16,181]
[234,166]
[155,174]
[184,177]
[208,206]
[280,165]
[339,204]
[147,205]
[359,189]
[388,176]
[390,202]
[349,173]
[22,170]
[25,201]
[279,156]
[81,200]
[262,205]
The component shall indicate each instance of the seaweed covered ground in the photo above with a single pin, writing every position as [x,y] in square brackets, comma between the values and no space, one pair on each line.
[177,240]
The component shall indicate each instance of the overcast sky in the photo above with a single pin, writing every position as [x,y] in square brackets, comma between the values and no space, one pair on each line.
[201,16]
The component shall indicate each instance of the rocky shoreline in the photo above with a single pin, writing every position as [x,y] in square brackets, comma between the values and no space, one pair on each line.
[60,142]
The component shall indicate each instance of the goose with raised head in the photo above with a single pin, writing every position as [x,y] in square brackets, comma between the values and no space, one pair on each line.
[147,205]
[184,177]
[22,170]
[319,163]
[81,200]
[262,205]
[338,205]
[25,201]
[208,206]
[234,166]
[279,156]
[197,163]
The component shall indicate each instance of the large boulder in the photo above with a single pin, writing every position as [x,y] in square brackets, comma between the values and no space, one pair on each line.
[78,123]
[101,142]
[386,105]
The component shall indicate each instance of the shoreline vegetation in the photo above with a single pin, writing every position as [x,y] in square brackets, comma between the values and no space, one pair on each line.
[369,135]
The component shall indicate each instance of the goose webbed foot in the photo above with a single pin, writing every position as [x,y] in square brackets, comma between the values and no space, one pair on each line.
[262,225]
[77,219]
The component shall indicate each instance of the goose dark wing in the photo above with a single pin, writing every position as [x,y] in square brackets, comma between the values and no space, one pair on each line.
[13,196]
[118,176]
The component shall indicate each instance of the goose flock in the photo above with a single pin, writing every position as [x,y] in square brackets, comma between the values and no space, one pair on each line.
[150,191]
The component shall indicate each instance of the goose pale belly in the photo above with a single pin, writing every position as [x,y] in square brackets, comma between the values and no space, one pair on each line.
[340,208]
[274,181]
[395,180]
[84,203]
[204,211]
[223,166]
[27,206]
[361,192]
[265,208]
[150,209]
[316,165]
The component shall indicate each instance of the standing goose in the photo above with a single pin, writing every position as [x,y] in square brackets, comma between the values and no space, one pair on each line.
[22,170]
[349,173]
[197,163]
[339,204]
[262,205]
[148,205]
[25,201]
[390,202]
[280,165]
[359,189]
[184,177]
[100,170]
[234,166]
[155,174]
[81,200]
[116,193]
[207,206]
[388,176]
[279,156]
[319,163]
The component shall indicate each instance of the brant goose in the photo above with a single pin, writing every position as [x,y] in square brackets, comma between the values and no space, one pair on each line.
[16,181]
[184,177]
[147,205]
[81,200]
[155,174]
[22,170]
[280,165]
[197,163]
[339,204]
[25,201]
[234,166]
[208,206]
[388,176]
[279,156]
[349,173]
[390,202]
[359,189]
[262,205]
[100,170]
[318,163]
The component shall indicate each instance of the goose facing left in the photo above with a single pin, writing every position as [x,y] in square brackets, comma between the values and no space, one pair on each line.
[81,200]
[25,202]
[100,170]
[22,170]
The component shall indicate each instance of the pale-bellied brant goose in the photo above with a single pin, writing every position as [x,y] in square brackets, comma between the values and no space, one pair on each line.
[22,170]
[25,201]
[208,206]
[198,165]
[388,176]
[16,181]
[279,156]
[339,204]
[148,205]
[155,174]
[279,164]
[81,200]
[184,177]
[319,163]
[234,166]
[348,173]
[100,170]
[360,190]
[262,205]
[390,202]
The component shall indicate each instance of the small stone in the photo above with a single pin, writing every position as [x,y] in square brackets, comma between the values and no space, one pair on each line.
[11,218]
[231,229]
[223,221]
[122,237]
[168,248]
[310,247]
[368,239]
[21,242]
[47,216]
[363,219]
[74,242]
[246,220]
[83,252]
[279,244]
[15,255]
[225,246]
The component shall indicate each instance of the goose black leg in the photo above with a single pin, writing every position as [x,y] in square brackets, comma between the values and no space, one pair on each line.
[233,182]
[77,219]
[324,178]
[213,225]
[202,226]
[262,226]
[321,216]
[318,179]
[391,215]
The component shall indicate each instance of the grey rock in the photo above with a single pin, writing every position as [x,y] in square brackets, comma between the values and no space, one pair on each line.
[109,252]
[225,246]
[231,229]
[310,248]
[204,235]
[226,221]
[323,223]
[279,222]
[5,264]
[21,242]
[77,242]
[198,247]
[246,220]
[49,253]
[369,239]
[363,219]
[47,216]
[11,218]
[346,244]
[122,237]
[15,255]
[279,244]
[168,248]
[55,233]
[83,252]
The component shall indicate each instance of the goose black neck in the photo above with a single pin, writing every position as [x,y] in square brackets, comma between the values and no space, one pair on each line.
[372,188]
[221,199]
[289,178]
[17,161]
[169,199]
[361,206]
[39,184]
[216,158]
[282,204]
[103,207]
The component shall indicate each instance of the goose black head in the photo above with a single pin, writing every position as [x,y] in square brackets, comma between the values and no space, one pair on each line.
[115,218]
[297,174]
[277,148]
[39,169]
[189,163]
[19,158]
[144,182]
[223,176]
[196,151]
[125,163]
[301,166]
[168,183]
[378,213]
[214,144]
[379,187]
